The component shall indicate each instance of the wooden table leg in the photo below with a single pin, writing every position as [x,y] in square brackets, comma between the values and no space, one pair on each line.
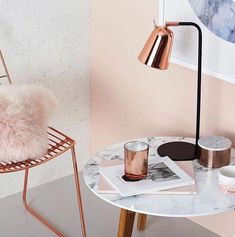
[141,223]
[126,222]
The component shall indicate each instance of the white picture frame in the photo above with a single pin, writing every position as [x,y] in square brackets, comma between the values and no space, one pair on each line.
[218,54]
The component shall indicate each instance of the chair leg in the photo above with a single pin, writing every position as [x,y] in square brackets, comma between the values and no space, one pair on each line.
[33,212]
[79,196]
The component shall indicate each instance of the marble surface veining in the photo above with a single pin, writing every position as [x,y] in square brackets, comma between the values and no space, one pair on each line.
[209,200]
[218,16]
[215,143]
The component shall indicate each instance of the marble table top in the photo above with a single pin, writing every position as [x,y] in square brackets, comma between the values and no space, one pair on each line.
[210,199]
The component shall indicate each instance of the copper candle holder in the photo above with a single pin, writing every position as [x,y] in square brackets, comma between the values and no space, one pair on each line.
[136,159]
[215,151]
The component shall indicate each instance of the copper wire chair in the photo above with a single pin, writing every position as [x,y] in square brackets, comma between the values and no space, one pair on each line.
[59,143]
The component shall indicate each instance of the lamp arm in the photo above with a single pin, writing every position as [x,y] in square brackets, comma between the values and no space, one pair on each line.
[199,71]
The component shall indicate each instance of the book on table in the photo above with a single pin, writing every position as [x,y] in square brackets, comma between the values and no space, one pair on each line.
[164,177]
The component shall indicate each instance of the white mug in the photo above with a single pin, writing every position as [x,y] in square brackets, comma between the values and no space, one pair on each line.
[226,178]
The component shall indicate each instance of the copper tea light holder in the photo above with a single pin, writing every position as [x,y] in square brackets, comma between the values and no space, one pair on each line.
[136,160]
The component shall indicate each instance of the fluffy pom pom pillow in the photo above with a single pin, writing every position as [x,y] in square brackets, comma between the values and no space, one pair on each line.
[24,114]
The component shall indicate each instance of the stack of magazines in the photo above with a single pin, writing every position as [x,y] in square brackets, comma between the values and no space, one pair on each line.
[164,177]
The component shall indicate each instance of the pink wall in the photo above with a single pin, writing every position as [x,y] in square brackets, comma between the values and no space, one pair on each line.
[130,100]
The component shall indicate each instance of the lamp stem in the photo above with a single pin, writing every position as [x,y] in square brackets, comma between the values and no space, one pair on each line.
[199,76]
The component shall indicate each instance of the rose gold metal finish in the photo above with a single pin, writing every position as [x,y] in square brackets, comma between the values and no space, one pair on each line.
[172,23]
[136,161]
[214,159]
[79,196]
[157,50]
[5,68]
[58,144]
[34,213]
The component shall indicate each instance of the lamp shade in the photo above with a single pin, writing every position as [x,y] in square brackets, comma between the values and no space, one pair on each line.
[157,50]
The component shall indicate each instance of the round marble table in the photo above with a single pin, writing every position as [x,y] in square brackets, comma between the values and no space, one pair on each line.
[210,199]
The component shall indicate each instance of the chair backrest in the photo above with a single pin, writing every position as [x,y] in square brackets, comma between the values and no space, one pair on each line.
[6,75]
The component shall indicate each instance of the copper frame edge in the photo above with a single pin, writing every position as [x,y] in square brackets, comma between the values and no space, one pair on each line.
[5,68]
[79,199]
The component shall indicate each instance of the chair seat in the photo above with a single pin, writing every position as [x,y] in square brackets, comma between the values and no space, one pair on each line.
[58,144]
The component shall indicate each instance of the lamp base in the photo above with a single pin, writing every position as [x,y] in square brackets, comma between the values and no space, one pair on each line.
[178,150]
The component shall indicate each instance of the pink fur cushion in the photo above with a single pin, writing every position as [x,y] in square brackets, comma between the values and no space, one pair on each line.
[24,114]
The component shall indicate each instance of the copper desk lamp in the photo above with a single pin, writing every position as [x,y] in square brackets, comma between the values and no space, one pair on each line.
[156,54]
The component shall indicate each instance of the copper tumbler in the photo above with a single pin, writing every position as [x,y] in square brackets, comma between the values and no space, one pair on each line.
[136,159]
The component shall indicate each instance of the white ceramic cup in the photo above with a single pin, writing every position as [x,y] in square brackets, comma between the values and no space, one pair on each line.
[226,178]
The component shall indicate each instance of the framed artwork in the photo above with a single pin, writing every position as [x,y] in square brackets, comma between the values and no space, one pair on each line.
[217,20]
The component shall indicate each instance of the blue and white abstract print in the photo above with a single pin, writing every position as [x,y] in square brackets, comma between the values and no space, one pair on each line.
[218,16]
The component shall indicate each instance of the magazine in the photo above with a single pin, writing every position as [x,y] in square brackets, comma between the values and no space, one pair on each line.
[163,173]
[187,166]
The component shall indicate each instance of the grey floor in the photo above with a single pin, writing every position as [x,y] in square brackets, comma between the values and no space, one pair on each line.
[57,202]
